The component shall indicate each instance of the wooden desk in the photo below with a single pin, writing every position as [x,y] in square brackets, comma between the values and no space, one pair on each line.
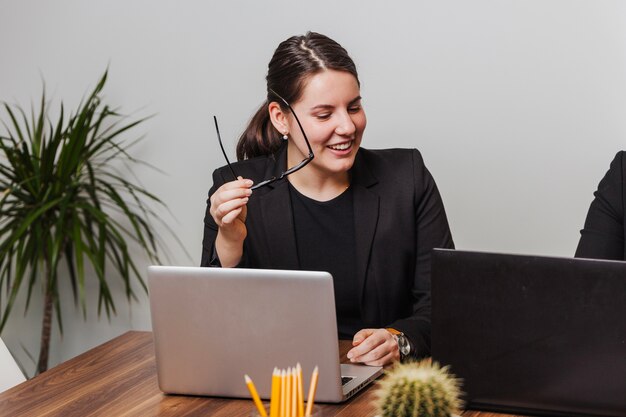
[118,378]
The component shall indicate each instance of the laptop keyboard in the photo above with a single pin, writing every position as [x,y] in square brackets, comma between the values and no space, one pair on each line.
[346,379]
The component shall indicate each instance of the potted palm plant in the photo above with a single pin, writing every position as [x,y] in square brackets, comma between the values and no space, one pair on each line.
[65,203]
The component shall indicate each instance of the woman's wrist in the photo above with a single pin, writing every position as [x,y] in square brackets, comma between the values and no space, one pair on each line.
[228,251]
[405,347]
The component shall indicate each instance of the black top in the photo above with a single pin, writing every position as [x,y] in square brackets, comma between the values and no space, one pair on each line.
[325,241]
[603,235]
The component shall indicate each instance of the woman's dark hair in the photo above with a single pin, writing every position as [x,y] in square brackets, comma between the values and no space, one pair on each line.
[295,59]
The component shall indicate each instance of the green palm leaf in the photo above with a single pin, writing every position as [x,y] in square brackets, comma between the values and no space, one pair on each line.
[62,198]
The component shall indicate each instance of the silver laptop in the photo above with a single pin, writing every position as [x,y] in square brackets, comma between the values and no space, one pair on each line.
[213,325]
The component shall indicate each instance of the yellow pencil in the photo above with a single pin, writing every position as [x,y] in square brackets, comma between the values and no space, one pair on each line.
[275,399]
[312,388]
[288,394]
[294,391]
[283,399]
[255,396]
[300,391]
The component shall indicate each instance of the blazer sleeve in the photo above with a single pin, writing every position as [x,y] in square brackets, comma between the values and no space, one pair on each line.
[603,234]
[433,231]
[209,255]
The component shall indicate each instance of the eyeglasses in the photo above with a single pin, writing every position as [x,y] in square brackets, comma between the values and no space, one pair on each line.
[288,171]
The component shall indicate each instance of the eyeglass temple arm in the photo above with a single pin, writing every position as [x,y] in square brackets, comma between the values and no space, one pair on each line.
[219,139]
[306,140]
[284,174]
[263,183]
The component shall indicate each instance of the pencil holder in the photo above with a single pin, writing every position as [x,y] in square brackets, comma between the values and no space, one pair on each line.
[317,412]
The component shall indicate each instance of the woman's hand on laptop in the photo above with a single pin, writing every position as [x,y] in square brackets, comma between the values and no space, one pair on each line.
[229,210]
[375,347]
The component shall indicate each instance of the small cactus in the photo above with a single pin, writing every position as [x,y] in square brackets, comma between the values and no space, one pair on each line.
[418,389]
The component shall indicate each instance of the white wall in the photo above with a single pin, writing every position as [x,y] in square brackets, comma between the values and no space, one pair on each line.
[517,106]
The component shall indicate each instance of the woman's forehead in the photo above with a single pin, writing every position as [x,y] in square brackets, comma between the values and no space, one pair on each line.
[329,87]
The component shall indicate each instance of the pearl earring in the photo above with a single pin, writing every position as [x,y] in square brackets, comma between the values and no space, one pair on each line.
[285,137]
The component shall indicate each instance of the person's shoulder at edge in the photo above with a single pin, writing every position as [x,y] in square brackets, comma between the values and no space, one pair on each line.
[621,156]
[602,236]
[614,177]
[619,161]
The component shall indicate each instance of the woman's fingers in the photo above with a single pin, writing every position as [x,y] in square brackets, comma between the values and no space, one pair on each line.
[361,335]
[232,215]
[228,193]
[374,347]
[227,201]
[223,195]
[378,353]
[224,212]
[364,341]
[385,360]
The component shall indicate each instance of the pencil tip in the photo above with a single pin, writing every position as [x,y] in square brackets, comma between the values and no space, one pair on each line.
[247,378]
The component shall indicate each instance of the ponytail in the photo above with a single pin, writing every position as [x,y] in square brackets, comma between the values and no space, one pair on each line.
[260,137]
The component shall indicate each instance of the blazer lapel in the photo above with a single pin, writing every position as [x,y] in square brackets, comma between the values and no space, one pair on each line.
[366,212]
[277,217]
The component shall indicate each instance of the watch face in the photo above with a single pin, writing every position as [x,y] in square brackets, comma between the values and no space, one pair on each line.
[403,345]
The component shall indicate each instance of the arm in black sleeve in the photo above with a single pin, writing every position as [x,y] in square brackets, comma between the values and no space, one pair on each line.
[209,254]
[433,231]
[603,234]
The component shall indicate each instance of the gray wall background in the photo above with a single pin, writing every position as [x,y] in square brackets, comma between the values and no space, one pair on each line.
[517,106]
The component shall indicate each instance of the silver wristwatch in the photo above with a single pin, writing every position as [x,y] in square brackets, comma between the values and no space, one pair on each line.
[404,345]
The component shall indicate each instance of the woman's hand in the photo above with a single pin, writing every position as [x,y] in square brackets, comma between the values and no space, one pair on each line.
[229,210]
[375,347]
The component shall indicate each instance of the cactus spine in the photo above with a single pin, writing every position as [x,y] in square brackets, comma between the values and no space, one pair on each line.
[418,389]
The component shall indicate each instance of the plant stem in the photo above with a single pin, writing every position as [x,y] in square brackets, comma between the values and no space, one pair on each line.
[46,328]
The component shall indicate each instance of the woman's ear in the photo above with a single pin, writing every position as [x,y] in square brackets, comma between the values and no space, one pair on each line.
[279,118]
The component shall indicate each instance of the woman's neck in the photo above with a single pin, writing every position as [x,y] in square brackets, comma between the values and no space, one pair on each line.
[318,186]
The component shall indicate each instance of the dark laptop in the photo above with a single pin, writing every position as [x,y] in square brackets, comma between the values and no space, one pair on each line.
[530,334]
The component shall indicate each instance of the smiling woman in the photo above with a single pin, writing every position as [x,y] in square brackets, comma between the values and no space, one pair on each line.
[370,218]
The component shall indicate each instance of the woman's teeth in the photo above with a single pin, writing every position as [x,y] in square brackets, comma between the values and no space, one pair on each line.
[340,146]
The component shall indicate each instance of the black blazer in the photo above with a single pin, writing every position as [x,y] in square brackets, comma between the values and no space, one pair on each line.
[399,218]
[603,234]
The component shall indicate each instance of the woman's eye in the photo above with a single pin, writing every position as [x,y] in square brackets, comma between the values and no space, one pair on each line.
[354,109]
[323,116]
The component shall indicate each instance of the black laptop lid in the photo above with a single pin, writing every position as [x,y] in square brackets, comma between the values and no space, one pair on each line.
[531,334]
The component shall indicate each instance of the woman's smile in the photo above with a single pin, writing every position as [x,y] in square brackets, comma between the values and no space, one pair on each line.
[342,148]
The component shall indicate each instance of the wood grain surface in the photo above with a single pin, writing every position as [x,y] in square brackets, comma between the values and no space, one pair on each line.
[118,378]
